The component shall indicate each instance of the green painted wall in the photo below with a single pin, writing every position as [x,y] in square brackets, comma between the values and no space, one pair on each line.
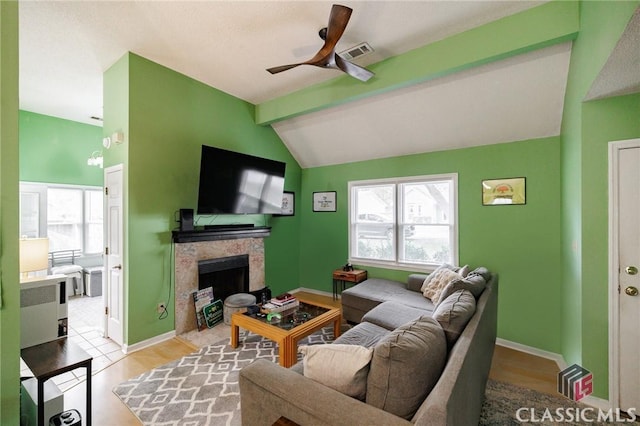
[586,128]
[521,243]
[602,121]
[116,119]
[56,150]
[9,283]
[169,117]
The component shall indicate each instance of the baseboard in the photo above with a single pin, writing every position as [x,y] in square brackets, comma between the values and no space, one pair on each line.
[557,358]
[310,290]
[596,402]
[127,349]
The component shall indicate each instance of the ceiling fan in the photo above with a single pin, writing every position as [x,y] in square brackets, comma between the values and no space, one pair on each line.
[327,56]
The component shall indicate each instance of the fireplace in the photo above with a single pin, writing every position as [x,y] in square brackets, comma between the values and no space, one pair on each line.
[188,257]
[227,275]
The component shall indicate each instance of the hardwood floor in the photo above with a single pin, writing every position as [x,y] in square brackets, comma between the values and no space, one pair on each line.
[525,370]
[508,365]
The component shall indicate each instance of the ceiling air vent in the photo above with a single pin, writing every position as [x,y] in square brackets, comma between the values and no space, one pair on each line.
[356,51]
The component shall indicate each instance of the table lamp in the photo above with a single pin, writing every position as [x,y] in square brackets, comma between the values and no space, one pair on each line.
[34,255]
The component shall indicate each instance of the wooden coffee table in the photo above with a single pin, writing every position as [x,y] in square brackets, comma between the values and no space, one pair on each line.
[284,333]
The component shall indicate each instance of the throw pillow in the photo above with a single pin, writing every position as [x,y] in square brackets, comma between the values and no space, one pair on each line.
[473,283]
[406,365]
[453,314]
[484,272]
[340,367]
[436,282]
[464,271]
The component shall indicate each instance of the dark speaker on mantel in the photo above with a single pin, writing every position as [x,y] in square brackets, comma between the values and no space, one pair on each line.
[186,219]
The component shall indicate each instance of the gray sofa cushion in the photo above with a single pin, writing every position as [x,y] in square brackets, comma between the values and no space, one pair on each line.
[370,293]
[392,315]
[405,366]
[364,334]
[454,313]
[473,283]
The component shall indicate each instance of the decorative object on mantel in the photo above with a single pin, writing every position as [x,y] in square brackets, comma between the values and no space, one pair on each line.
[324,201]
[95,159]
[508,191]
[288,204]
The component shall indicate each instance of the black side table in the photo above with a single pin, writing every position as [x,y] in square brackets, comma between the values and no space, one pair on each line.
[50,359]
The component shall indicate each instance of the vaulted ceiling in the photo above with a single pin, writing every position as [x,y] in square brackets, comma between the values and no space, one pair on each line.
[65,46]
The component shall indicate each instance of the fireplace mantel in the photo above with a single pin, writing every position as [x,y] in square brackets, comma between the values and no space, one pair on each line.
[222,233]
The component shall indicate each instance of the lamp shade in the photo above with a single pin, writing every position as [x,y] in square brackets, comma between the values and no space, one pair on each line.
[34,254]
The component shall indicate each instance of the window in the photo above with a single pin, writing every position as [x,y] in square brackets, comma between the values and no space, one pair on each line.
[71,216]
[405,223]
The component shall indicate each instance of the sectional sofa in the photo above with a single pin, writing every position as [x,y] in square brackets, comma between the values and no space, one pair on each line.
[429,362]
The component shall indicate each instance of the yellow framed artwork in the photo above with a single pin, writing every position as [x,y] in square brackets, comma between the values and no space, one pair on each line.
[500,192]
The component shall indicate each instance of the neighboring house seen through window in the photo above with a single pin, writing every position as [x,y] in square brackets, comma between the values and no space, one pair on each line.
[406,223]
[70,216]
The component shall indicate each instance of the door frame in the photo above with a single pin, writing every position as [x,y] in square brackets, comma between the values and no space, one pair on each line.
[614,268]
[105,281]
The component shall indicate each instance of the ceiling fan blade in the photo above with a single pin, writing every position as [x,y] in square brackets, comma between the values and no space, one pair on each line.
[325,58]
[281,68]
[338,20]
[352,69]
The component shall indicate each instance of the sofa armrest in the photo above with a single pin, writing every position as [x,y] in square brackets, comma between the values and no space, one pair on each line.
[269,391]
[414,281]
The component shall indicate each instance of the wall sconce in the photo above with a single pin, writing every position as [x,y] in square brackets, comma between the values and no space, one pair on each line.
[117,138]
[95,159]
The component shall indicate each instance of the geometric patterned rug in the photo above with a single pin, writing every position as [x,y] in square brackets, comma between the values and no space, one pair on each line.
[201,388]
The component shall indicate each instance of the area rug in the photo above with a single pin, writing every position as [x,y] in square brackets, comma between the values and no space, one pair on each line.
[202,389]
[506,405]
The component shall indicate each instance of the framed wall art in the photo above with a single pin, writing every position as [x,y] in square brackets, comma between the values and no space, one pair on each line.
[288,204]
[500,192]
[324,201]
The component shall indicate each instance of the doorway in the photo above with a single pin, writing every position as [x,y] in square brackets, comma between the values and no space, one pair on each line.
[624,278]
[71,217]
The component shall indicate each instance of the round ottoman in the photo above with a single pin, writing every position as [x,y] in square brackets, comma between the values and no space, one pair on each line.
[236,303]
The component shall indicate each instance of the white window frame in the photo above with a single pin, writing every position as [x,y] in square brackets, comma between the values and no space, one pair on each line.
[397,216]
[42,189]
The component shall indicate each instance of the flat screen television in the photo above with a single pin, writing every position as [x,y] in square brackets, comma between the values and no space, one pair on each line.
[235,183]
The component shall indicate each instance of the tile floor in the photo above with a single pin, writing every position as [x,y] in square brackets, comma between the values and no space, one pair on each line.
[85,329]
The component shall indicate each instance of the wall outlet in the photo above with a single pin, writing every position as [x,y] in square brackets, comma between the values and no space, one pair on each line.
[161,307]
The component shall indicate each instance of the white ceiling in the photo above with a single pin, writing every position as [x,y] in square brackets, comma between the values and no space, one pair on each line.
[65,46]
[621,73]
[510,100]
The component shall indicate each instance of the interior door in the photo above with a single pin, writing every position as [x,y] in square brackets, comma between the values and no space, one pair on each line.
[114,237]
[625,210]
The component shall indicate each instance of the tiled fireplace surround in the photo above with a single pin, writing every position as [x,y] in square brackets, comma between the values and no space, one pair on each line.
[187,256]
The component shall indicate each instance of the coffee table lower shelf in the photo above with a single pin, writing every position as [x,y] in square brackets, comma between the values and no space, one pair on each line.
[287,340]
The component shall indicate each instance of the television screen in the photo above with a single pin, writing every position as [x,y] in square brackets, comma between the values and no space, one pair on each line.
[234,183]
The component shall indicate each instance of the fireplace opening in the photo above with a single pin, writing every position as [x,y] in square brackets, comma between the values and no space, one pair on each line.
[227,275]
